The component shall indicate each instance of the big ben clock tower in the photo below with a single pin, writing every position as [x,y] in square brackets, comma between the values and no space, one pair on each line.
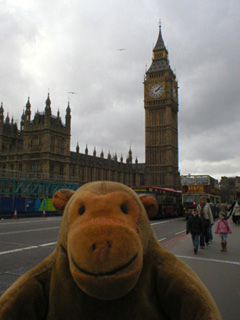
[161,120]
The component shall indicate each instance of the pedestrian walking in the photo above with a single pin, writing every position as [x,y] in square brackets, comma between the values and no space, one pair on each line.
[236,213]
[195,227]
[213,209]
[205,212]
[223,228]
[231,207]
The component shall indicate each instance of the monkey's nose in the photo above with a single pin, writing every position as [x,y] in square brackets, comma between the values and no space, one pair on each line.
[101,246]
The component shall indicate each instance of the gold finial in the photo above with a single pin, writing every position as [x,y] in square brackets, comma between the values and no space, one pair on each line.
[159,23]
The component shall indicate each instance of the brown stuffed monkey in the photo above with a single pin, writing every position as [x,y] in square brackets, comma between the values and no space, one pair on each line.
[107,264]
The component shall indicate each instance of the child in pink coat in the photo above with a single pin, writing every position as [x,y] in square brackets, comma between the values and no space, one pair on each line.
[223,228]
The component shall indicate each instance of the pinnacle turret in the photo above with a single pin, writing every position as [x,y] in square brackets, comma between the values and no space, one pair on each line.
[28,111]
[7,120]
[1,113]
[28,104]
[68,110]
[48,102]
[68,118]
[77,148]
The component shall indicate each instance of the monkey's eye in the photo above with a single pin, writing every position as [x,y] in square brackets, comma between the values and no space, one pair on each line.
[81,210]
[124,209]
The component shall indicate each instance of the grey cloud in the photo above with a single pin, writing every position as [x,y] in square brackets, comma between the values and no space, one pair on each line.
[72,46]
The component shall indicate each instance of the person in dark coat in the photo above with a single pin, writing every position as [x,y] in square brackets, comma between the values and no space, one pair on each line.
[205,213]
[231,209]
[195,227]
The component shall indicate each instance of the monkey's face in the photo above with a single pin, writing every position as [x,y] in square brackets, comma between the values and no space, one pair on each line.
[104,247]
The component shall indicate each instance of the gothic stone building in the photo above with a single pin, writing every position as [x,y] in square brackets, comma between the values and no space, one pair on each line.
[40,148]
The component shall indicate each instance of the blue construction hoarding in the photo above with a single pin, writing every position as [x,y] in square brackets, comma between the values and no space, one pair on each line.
[25,206]
[29,197]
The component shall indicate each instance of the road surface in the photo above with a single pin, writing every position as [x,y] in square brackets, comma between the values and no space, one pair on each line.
[25,242]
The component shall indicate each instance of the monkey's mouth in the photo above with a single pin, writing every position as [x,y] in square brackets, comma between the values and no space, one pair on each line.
[109,273]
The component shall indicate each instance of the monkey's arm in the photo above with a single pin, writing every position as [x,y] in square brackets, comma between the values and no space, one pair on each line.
[182,295]
[27,298]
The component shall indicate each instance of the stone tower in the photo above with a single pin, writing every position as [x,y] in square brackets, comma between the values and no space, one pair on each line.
[46,141]
[161,120]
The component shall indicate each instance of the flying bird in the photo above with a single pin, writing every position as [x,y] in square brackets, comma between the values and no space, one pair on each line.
[72,92]
[121,49]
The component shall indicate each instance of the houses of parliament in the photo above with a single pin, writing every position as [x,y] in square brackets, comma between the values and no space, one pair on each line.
[40,148]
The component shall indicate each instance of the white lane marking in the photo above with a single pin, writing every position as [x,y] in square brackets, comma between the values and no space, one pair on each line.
[180,232]
[14,222]
[47,244]
[166,221]
[30,230]
[209,260]
[179,256]
[28,248]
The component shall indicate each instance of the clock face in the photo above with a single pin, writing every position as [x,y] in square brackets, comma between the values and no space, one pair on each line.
[156,90]
[174,92]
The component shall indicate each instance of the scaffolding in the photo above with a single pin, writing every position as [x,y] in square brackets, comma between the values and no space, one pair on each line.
[32,189]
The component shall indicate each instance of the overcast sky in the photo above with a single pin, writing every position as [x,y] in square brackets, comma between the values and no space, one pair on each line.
[59,46]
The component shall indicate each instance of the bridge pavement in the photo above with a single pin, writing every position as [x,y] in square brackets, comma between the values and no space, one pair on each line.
[220,271]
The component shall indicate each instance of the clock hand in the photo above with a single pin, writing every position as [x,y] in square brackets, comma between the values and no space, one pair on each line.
[157,89]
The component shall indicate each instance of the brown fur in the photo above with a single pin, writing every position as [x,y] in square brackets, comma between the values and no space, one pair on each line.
[107,264]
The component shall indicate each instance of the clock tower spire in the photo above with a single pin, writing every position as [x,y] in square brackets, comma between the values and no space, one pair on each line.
[160,43]
[161,120]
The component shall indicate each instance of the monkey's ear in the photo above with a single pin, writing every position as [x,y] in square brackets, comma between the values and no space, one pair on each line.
[150,204]
[60,199]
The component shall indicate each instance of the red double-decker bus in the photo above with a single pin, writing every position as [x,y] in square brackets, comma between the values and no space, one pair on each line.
[169,200]
[196,186]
